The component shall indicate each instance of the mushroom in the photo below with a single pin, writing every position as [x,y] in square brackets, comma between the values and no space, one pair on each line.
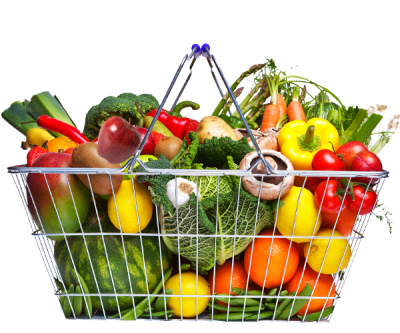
[266,140]
[271,185]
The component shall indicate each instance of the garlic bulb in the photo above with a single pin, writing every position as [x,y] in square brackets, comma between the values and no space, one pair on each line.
[178,191]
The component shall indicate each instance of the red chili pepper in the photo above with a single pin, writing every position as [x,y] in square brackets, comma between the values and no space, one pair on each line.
[175,124]
[59,126]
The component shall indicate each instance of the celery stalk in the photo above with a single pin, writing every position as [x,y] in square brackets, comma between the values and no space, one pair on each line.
[348,134]
[367,128]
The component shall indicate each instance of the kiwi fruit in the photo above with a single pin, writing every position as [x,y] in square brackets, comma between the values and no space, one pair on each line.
[168,146]
[85,156]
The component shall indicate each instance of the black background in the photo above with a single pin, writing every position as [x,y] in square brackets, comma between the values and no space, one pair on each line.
[81,75]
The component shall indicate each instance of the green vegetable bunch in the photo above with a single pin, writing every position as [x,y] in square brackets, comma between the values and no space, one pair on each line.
[123,106]
[220,206]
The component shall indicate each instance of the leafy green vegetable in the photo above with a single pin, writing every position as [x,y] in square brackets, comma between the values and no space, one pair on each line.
[231,165]
[123,106]
[157,188]
[209,223]
[214,152]
[187,153]
[188,226]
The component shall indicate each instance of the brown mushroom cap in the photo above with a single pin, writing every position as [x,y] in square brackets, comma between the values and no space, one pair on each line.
[266,140]
[271,185]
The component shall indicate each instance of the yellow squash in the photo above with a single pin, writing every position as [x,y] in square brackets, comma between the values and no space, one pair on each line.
[38,136]
[300,141]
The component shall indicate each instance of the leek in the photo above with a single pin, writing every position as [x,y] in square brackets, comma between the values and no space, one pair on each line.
[19,118]
[23,116]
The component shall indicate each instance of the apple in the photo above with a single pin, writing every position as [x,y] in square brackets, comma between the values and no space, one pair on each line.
[150,144]
[366,161]
[118,140]
[348,151]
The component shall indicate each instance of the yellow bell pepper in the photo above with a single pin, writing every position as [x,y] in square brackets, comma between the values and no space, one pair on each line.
[300,141]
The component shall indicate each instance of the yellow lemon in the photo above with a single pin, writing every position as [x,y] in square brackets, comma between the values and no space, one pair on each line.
[188,288]
[335,253]
[307,215]
[126,205]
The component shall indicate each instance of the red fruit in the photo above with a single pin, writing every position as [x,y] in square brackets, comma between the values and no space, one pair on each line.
[69,150]
[95,139]
[367,205]
[190,126]
[34,153]
[332,202]
[57,202]
[118,140]
[157,137]
[312,183]
[149,146]
[366,161]
[326,159]
[348,151]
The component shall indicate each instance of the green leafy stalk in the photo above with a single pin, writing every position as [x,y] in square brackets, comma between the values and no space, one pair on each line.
[229,103]
[348,134]
[364,133]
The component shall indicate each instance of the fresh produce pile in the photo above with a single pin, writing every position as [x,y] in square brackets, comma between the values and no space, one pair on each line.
[179,216]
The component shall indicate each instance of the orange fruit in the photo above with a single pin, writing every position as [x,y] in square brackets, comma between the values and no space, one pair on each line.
[280,253]
[324,284]
[60,143]
[223,277]
[345,223]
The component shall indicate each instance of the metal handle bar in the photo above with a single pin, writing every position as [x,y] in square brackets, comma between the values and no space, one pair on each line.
[205,48]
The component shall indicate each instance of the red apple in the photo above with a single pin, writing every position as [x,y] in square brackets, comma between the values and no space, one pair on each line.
[348,151]
[366,161]
[118,140]
[150,144]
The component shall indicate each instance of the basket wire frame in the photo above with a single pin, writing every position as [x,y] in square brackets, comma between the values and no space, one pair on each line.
[46,245]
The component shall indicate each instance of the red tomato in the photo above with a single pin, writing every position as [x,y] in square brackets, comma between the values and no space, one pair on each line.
[332,202]
[312,183]
[367,205]
[326,159]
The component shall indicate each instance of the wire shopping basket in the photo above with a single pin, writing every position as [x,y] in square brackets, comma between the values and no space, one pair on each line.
[99,272]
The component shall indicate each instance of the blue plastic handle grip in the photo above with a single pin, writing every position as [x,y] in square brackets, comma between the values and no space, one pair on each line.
[203,48]
[197,47]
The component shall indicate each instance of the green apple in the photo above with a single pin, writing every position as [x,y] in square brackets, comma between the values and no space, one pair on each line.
[144,158]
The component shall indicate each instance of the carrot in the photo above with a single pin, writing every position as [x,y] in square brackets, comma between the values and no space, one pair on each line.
[270,117]
[280,102]
[295,109]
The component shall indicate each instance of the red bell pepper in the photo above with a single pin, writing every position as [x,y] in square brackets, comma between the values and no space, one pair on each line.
[175,124]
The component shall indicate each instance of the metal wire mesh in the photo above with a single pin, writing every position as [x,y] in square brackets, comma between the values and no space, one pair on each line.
[46,248]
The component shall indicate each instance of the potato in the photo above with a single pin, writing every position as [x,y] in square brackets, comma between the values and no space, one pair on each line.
[214,126]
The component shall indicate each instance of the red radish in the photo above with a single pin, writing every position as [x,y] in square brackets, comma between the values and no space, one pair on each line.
[118,140]
[348,151]
[366,161]
[150,144]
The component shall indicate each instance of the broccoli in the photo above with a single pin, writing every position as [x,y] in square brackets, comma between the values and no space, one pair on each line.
[123,106]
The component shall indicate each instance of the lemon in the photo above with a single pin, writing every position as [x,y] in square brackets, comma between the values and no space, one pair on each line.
[307,215]
[188,288]
[125,201]
[334,256]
